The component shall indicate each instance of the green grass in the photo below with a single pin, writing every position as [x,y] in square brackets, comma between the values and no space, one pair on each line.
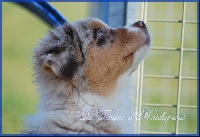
[21,31]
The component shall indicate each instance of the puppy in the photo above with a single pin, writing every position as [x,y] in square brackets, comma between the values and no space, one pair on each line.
[78,69]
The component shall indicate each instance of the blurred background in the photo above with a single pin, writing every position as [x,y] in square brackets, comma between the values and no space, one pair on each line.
[21,30]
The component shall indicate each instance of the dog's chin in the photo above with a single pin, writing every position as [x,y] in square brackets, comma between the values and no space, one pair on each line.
[138,57]
[134,67]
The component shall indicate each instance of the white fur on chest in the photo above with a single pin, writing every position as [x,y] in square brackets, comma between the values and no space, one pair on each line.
[121,102]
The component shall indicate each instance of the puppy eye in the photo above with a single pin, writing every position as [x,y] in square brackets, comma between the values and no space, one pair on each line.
[100,32]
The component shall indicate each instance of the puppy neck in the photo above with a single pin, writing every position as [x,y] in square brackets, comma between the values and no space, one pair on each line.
[103,88]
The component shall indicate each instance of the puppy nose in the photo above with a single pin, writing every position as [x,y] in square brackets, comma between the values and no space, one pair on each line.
[139,24]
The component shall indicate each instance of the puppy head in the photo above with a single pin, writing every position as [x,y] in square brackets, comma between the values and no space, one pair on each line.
[113,51]
[90,49]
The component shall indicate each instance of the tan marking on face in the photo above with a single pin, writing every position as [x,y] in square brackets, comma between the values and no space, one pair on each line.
[96,24]
[106,64]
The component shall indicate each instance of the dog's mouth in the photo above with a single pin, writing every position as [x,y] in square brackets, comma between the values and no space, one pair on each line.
[128,57]
[133,49]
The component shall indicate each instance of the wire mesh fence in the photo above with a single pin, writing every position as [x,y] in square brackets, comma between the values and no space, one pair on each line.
[167,84]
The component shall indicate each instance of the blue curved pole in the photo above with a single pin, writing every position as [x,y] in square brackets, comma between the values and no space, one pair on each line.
[45,11]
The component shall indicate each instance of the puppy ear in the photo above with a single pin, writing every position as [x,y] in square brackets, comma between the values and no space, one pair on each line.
[62,68]
[63,55]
